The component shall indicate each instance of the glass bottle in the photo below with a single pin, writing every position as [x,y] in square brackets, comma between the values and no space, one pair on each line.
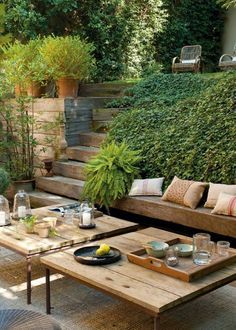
[4,211]
[86,215]
[21,207]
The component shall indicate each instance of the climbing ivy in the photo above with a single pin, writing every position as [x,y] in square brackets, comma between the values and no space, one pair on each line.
[192,137]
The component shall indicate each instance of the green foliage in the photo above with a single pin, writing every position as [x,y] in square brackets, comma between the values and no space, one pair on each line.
[4,38]
[163,89]
[110,174]
[4,180]
[67,57]
[227,3]
[191,22]
[191,134]
[17,143]
[23,64]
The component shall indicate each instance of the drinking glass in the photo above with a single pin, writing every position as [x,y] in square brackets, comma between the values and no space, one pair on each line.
[223,248]
[202,248]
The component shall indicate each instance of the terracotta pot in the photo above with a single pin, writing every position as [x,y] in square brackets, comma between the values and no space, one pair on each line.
[67,87]
[20,91]
[26,185]
[34,90]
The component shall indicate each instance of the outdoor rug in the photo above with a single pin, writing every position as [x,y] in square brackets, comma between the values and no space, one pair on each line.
[81,308]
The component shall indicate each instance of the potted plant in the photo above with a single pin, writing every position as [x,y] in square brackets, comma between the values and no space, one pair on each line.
[69,60]
[24,67]
[17,144]
[29,222]
[110,174]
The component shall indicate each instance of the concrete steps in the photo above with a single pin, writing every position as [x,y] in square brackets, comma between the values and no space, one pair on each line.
[91,139]
[61,185]
[70,169]
[104,89]
[81,153]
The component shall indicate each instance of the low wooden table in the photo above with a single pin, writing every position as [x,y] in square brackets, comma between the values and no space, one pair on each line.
[152,291]
[31,245]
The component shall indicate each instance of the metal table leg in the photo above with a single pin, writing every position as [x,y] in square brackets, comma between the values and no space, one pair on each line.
[29,269]
[157,325]
[48,297]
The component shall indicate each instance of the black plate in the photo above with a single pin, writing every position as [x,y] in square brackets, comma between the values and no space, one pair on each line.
[87,255]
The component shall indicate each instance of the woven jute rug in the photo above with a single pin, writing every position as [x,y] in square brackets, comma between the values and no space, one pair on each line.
[81,308]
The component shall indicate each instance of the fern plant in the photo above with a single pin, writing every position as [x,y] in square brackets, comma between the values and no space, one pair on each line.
[110,174]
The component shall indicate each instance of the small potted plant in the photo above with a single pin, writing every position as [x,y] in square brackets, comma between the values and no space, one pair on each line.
[69,60]
[29,222]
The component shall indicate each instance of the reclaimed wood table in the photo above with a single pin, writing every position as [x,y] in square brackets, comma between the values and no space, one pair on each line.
[150,290]
[31,245]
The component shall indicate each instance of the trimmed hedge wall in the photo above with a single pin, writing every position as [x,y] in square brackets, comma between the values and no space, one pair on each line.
[183,125]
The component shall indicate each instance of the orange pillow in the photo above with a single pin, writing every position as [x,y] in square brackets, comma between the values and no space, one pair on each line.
[184,192]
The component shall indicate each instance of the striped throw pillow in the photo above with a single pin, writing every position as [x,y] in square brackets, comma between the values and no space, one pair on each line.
[226,204]
[146,187]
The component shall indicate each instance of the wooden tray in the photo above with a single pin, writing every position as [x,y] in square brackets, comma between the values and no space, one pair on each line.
[186,270]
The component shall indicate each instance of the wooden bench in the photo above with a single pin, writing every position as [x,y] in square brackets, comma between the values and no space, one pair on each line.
[200,218]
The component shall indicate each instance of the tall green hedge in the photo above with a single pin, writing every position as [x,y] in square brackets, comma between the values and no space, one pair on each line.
[191,134]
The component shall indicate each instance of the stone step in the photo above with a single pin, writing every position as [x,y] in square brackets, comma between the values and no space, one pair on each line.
[41,198]
[105,113]
[60,185]
[91,139]
[104,89]
[81,153]
[101,126]
[70,169]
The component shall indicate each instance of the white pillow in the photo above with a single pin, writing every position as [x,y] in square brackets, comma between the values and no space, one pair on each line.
[226,204]
[146,187]
[214,191]
[188,61]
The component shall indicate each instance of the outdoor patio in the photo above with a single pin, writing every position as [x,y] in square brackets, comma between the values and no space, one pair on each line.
[78,307]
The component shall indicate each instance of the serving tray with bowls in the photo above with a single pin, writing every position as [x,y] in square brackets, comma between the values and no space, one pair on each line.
[185,270]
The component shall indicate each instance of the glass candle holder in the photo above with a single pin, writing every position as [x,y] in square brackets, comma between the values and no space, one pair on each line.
[21,207]
[4,211]
[86,215]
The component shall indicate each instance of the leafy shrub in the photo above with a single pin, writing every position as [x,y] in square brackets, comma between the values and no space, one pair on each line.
[192,137]
[4,180]
[110,174]
[163,89]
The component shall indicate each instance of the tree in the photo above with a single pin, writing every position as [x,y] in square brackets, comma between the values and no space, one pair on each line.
[3,36]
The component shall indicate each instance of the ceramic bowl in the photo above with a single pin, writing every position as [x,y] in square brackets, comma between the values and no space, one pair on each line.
[156,249]
[184,250]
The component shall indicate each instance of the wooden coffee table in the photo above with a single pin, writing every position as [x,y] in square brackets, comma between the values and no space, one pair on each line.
[31,245]
[150,290]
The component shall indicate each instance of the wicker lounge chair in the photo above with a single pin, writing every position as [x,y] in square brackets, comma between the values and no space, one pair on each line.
[190,60]
[227,61]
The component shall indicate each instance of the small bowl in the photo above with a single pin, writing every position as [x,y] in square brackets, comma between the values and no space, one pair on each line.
[184,250]
[156,249]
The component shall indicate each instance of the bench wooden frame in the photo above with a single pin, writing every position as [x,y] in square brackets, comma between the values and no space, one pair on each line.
[200,218]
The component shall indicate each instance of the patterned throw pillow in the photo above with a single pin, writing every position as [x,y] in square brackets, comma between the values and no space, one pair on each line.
[184,192]
[214,191]
[147,187]
[226,204]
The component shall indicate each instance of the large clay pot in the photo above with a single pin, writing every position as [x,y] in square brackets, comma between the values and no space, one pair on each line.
[34,90]
[20,91]
[26,185]
[67,87]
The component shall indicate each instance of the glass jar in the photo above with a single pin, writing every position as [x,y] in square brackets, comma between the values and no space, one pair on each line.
[4,211]
[86,215]
[21,207]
